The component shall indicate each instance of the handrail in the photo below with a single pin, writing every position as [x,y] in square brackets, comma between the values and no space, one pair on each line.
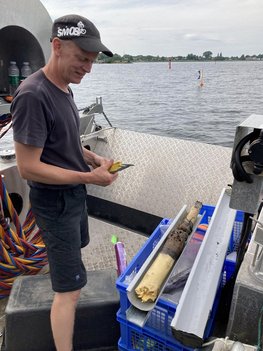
[96,107]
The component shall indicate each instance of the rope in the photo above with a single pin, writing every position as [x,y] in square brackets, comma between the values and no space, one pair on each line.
[5,119]
[5,124]
[22,251]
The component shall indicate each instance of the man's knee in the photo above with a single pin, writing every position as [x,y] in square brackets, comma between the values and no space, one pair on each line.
[70,297]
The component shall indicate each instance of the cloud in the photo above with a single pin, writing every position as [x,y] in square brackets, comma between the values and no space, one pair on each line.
[172,27]
[201,37]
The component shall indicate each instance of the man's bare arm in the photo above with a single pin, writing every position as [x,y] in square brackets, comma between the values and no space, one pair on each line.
[32,168]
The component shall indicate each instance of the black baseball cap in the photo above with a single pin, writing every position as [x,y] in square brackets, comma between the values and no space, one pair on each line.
[80,30]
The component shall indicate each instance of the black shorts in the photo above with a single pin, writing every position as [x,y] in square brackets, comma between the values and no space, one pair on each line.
[62,217]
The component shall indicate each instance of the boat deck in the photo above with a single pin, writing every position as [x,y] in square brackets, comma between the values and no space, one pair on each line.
[100,254]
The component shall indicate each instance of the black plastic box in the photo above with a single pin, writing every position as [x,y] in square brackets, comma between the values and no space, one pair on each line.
[28,314]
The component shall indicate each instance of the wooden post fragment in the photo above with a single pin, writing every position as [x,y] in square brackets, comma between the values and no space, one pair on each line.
[149,287]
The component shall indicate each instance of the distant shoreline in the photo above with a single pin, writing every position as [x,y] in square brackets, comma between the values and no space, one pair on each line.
[177,61]
[207,57]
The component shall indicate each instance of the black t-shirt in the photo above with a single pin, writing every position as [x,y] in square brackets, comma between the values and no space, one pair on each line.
[44,116]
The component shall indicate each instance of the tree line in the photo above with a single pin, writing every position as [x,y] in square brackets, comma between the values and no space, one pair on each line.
[206,56]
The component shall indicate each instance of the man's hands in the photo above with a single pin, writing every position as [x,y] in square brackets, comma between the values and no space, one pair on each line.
[97,161]
[100,174]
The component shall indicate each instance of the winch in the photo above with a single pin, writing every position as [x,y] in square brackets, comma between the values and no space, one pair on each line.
[247,165]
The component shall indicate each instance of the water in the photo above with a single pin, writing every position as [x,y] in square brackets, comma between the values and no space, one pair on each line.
[151,98]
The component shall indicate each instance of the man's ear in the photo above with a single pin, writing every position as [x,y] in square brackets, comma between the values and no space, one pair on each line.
[56,45]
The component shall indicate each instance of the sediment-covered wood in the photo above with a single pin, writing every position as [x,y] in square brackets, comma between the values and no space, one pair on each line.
[149,287]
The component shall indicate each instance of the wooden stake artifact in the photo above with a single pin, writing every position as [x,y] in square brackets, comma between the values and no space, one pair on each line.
[149,287]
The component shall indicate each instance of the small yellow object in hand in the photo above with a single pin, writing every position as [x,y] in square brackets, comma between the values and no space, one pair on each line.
[115,167]
[118,166]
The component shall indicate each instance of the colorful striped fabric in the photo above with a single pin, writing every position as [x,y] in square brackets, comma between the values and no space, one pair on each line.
[22,251]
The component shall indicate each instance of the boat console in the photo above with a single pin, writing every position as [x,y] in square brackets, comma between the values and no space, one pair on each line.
[24,36]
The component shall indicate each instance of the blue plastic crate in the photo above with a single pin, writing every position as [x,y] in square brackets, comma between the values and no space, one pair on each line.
[157,331]
[136,338]
[208,211]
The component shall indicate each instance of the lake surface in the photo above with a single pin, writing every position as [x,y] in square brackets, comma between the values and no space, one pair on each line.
[151,98]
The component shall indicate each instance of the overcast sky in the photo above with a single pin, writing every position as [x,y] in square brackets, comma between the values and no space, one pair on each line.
[172,27]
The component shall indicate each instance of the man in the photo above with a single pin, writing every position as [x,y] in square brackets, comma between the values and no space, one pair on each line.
[50,156]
